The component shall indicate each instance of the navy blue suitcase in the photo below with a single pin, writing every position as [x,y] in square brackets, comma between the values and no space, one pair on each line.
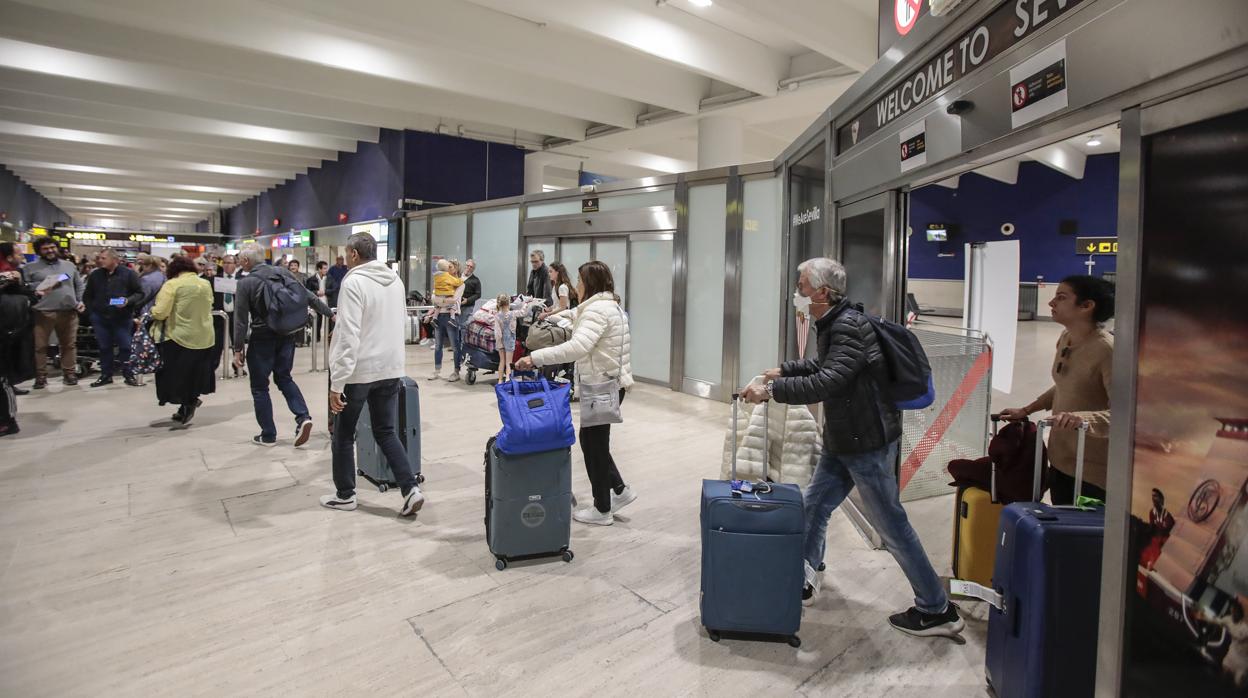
[752,572]
[1042,633]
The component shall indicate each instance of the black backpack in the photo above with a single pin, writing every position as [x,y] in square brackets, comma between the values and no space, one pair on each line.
[285,303]
[909,385]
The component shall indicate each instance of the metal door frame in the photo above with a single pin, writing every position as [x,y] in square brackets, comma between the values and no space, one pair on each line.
[893,203]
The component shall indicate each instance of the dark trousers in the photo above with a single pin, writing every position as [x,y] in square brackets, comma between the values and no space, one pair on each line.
[604,477]
[113,334]
[382,398]
[8,402]
[1062,489]
[276,356]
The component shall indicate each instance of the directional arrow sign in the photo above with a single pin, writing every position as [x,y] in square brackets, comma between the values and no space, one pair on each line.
[1102,245]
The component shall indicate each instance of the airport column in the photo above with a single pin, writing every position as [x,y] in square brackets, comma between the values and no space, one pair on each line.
[535,171]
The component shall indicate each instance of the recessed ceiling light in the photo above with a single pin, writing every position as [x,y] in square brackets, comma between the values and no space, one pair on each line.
[700,3]
[1094,140]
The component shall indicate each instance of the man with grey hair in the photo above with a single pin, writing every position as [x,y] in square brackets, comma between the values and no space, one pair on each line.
[861,432]
[539,278]
[266,351]
[112,295]
[367,360]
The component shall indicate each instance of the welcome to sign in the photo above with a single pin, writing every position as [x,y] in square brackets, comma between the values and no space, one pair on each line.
[1005,27]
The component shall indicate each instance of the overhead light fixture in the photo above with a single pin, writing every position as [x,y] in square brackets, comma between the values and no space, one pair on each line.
[1094,140]
[701,3]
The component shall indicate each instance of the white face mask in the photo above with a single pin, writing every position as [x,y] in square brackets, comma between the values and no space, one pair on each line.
[802,303]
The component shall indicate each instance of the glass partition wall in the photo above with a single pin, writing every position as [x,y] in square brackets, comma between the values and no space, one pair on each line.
[696,259]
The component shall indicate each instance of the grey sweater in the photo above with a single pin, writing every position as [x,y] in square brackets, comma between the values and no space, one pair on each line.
[65,296]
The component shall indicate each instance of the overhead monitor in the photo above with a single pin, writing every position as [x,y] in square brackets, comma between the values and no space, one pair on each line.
[937,232]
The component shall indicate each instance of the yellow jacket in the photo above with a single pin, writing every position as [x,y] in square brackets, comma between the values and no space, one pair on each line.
[185,306]
[444,284]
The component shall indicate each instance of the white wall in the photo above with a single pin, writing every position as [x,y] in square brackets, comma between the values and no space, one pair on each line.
[945,293]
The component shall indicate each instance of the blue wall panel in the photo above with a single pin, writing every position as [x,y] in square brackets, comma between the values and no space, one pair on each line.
[23,206]
[1036,205]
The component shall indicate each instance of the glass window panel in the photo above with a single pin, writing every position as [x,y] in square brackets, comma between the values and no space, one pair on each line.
[554,208]
[449,240]
[762,282]
[572,253]
[614,253]
[650,313]
[495,240]
[666,197]
[704,316]
[417,256]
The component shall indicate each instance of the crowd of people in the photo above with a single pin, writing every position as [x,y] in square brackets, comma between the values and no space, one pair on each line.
[366,302]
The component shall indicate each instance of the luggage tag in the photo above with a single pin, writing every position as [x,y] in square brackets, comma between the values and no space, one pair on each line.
[960,587]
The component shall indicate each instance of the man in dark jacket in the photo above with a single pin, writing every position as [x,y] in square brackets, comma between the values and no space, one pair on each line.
[17,338]
[113,293]
[860,441]
[266,352]
[539,278]
[325,286]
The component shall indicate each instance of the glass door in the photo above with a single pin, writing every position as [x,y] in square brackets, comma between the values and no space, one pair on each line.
[614,253]
[649,280]
[872,251]
[573,252]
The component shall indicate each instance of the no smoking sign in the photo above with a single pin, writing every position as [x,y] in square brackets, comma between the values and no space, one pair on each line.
[905,14]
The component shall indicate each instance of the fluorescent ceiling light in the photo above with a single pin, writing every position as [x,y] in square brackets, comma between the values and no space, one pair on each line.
[700,3]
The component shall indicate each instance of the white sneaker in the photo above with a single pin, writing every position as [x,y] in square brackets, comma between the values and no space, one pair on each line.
[623,499]
[591,515]
[454,377]
[436,375]
[331,501]
[811,586]
[412,502]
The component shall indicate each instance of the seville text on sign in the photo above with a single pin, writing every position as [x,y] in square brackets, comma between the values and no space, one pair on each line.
[1008,25]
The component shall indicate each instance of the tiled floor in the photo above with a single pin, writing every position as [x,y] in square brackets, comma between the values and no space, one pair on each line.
[139,561]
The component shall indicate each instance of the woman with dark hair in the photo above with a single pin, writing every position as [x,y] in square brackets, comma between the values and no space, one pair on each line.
[185,338]
[566,296]
[1080,392]
[600,345]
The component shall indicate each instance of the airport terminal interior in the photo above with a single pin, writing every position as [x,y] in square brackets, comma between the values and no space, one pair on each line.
[597,348]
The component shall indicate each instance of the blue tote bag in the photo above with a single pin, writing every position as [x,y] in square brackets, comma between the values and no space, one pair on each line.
[536,416]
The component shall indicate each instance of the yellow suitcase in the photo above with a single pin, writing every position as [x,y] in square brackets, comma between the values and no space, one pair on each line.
[975,523]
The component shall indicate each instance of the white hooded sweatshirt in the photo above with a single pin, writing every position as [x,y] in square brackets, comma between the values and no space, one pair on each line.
[368,336]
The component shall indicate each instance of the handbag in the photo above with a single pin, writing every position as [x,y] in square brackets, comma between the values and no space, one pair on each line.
[545,333]
[600,402]
[536,416]
[144,354]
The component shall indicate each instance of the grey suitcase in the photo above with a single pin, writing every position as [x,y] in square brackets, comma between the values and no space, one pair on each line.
[528,504]
[369,460]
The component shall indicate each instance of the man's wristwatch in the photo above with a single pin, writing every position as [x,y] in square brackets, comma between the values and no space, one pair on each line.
[770,390]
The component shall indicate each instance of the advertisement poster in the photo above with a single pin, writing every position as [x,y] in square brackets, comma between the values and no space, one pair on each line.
[1186,630]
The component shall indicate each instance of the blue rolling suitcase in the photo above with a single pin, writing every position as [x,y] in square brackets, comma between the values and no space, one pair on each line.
[752,572]
[369,460]
[1042,629]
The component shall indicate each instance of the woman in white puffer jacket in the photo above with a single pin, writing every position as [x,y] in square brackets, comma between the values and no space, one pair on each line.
[601,347]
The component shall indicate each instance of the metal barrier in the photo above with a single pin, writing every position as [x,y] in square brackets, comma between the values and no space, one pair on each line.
[321,338]
[1028,300]
[227,353]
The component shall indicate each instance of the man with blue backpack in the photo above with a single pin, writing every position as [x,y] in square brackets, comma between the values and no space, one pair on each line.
[270,310]
[867,370]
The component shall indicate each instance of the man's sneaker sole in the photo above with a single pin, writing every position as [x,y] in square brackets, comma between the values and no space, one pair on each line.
[343,506]
[412,504]
[303,433]
[266,444]
[939,630]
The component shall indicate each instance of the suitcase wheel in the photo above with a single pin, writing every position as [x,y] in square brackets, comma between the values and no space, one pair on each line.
[500,564]
[823,566]
[420,479]
[471,378]
[795,641]
[713,634]
[382,487]
[567,556]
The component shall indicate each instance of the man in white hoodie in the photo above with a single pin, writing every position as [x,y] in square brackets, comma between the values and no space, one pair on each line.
[366,360]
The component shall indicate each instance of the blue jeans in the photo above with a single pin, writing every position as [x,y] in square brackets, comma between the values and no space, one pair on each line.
[382,398]
[443,325]
[873,474]
[112,334]
[275,355]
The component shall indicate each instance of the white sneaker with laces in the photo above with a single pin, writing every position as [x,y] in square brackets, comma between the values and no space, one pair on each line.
[412,502]
[331,501]
[454,377]
[593,517]
[437,373]
[623,499]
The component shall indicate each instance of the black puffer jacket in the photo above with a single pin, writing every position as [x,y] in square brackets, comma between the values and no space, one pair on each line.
[846,379]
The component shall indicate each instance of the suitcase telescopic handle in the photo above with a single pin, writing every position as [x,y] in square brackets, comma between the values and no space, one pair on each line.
[1079,453]
[736,401]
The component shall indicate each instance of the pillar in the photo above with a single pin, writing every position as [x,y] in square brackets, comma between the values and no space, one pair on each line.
[721,141]
[535,171]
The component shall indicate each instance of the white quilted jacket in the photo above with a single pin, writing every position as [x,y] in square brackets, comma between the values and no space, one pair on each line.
[599,340]
[794,445]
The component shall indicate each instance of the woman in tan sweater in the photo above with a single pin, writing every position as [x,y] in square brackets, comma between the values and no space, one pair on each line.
[1080,392]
